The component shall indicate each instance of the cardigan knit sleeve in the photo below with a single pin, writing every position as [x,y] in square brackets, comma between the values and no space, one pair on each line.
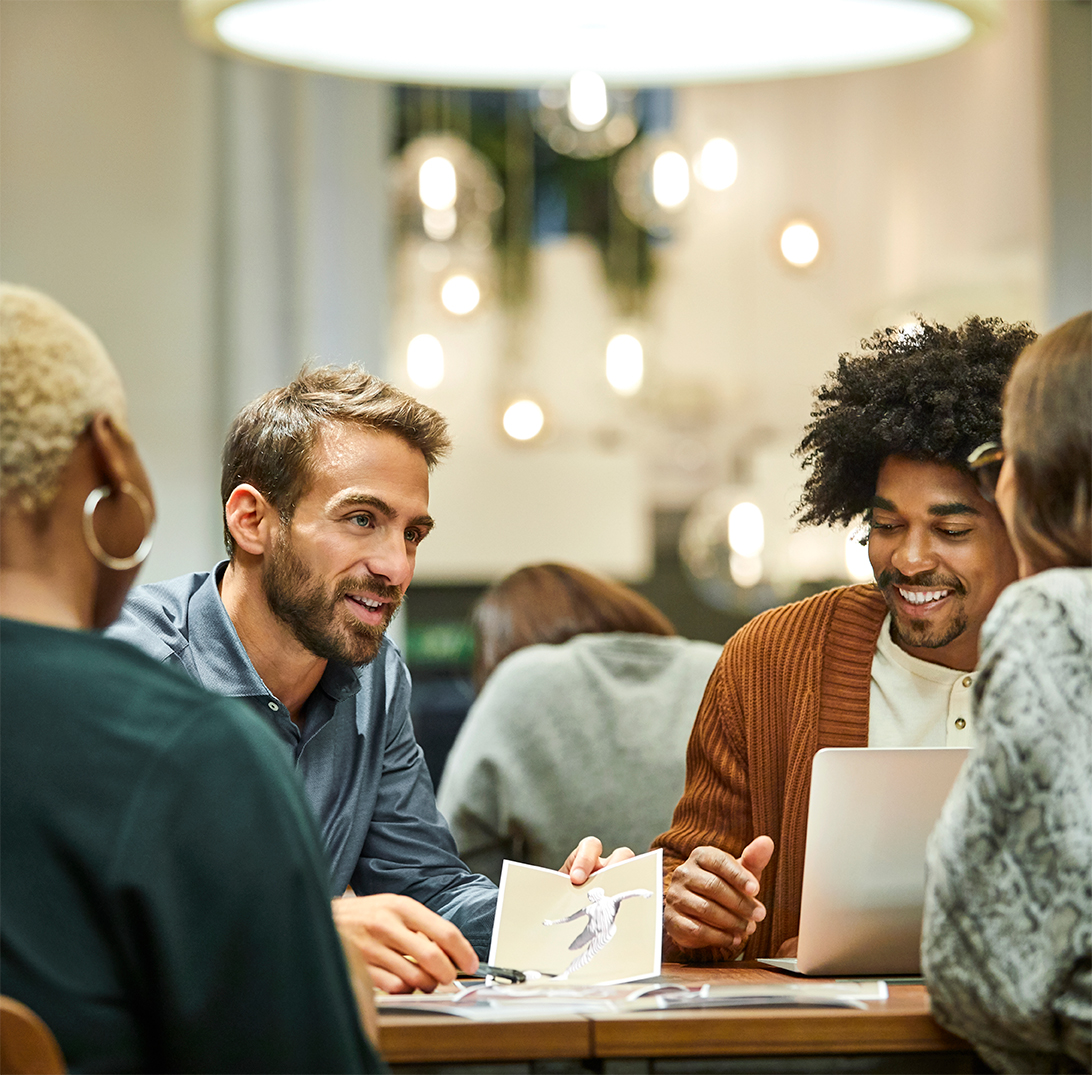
[791,681]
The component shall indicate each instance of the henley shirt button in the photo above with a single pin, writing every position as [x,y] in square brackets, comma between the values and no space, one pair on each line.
[960,723]
[967,681]
[274,706]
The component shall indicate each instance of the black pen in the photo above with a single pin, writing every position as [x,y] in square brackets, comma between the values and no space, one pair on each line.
[485,969]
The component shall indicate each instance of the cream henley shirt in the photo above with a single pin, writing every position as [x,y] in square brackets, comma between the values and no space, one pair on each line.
[913,703]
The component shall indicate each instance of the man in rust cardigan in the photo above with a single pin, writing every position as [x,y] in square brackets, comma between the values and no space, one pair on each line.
[889,664]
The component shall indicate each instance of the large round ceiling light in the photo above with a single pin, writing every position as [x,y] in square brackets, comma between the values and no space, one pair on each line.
[626,42]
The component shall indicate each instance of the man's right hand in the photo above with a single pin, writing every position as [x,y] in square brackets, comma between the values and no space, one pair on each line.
[712,899]
[388,928]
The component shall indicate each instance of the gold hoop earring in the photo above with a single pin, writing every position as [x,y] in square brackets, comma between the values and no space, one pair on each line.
[117,563]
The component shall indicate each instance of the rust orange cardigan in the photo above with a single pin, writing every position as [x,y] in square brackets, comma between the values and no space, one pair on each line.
[790,682]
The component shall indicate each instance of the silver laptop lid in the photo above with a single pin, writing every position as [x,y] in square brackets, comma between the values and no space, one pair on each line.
[869,816]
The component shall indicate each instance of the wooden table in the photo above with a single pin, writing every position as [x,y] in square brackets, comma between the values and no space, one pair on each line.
[891,1035]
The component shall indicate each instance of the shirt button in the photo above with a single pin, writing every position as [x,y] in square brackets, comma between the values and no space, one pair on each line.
[960,723]
[274,706]
[967,681]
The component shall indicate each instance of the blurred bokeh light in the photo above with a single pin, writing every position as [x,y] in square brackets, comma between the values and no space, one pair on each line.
[717,165]
[460,295]
[625,364]
[523,420]
[425,361]
[800,244]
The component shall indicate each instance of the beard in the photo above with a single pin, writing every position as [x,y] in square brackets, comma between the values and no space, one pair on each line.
[923,634]
[317,617]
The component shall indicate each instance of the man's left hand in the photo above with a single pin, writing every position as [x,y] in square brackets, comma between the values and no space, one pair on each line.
[588,857]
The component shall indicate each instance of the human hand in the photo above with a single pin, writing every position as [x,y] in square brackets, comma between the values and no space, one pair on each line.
[788,948]
[587,858]
[405,945]
[711,900]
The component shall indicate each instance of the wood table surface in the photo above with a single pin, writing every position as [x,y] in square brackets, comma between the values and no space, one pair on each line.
[901,1024]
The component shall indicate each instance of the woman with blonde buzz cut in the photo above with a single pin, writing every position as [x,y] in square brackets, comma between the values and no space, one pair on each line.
[163,888]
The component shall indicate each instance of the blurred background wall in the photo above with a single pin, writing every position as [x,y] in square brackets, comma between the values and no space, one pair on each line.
[219,221]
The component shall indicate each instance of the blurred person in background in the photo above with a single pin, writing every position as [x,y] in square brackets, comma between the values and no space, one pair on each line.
[889,664]
[162,881]
[1007,935]
[586,701]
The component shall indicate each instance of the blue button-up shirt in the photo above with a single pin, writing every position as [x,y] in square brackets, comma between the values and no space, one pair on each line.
[361,767]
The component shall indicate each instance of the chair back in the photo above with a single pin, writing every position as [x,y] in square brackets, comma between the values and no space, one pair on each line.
[27,1045]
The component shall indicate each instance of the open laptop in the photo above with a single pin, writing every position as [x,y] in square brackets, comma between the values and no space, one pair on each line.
[869,816]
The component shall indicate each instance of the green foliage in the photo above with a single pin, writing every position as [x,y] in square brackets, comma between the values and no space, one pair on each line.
[499,126]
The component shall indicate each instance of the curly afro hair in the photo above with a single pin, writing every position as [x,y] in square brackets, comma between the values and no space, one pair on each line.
[923,391]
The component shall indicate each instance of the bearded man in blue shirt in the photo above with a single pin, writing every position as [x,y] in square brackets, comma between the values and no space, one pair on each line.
[325,493]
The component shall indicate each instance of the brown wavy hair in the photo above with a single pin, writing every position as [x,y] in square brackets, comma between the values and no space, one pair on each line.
[1048,435]
[552,603]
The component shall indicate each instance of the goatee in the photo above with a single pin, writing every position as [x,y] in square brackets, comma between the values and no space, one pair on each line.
[921,634]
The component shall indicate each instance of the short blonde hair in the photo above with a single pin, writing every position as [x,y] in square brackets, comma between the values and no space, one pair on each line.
[55,376]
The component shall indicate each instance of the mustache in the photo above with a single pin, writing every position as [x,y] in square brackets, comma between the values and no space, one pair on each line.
[930,580]
[369,586]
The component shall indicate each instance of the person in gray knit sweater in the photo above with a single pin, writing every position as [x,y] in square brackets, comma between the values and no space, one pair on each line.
[1007,934]
[586,702]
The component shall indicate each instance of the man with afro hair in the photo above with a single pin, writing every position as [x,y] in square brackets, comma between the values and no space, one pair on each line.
[888,664]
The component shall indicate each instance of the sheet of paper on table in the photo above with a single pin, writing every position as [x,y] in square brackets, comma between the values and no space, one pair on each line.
[606,930]
[548,998]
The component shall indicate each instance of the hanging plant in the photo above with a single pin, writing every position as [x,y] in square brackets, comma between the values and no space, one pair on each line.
[546,192]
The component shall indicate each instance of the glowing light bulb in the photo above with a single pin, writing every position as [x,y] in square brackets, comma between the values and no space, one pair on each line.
[746,533]
[799,244]
[858,566]
[670,179]
[523,420]
[425,361]
[718,164]
[436,183]
[625,364]
[587,100]
[460,294]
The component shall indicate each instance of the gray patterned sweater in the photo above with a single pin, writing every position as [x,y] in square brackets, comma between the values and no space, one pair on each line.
[1007,936]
